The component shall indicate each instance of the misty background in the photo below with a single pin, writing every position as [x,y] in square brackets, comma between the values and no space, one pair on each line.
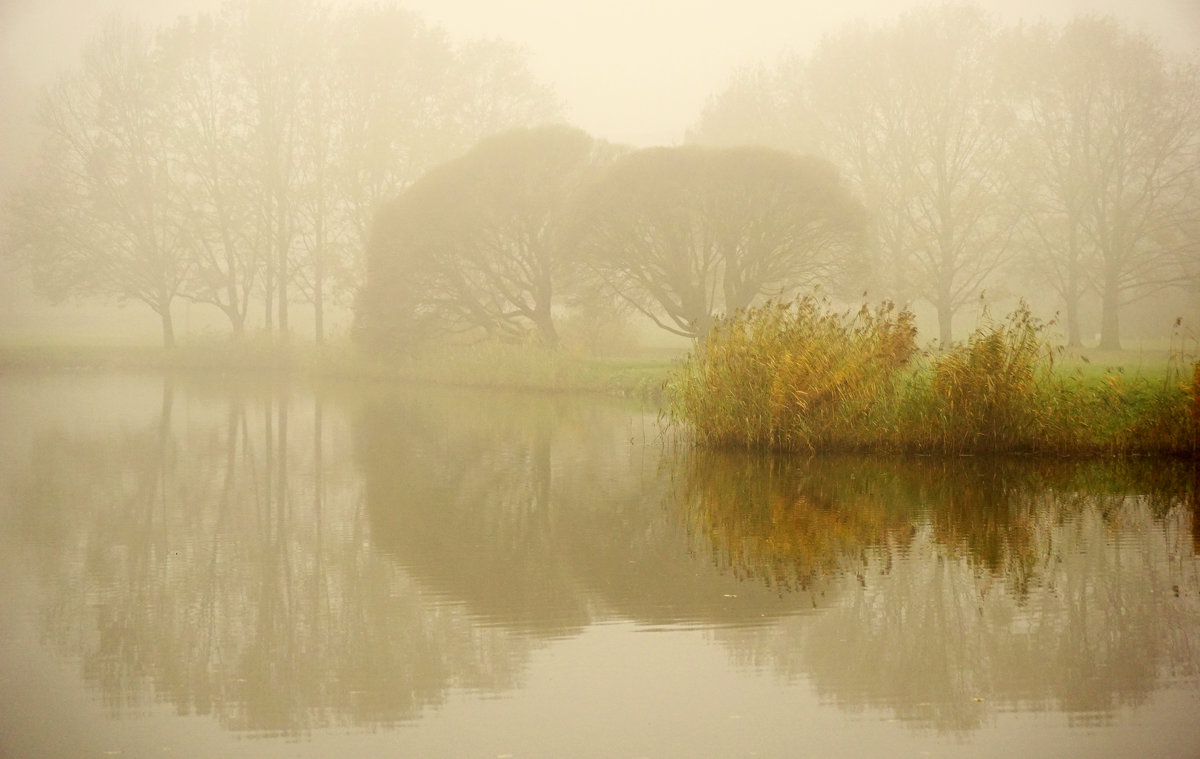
[634,73]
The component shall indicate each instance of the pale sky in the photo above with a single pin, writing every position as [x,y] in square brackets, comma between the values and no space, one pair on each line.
[635,71]
[639,71]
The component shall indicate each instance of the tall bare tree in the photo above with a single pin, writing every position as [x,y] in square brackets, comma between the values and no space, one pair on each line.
[1074,148]
[211,140]
[236,159]
[927,130]
[101,216]
[917,117]
[1114,130]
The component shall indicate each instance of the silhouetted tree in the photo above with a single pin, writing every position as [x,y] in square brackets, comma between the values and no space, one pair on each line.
[210,137]
[476,244]
[405,108]
[971,144]
[931,124]
[1113,127]
[101,216]
[235,159]
[685,233]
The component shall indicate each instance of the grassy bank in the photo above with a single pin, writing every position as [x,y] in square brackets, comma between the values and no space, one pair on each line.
[798,377]
[794,378]
[488,365]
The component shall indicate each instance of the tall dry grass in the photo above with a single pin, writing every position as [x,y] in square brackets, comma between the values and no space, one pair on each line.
[798,376]
[792,375]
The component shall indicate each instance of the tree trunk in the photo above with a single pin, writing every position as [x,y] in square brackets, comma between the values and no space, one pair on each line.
[319,306]
[1074,339]
[945,330]
[1110,321]
[1074,278]
[945,312]
[269,299]
[547,334]
[283,296]
[168,328]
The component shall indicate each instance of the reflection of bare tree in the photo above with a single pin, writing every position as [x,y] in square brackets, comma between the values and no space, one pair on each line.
[208,561]
[537,513]
[459,492]
[220,555]
[962,590]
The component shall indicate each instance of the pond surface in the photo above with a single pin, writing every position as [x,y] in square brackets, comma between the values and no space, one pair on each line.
[205,568]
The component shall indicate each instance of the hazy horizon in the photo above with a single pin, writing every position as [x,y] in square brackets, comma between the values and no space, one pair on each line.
[630,72]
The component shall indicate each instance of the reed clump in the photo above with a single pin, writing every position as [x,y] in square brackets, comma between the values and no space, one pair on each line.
[792,375]
[800,377]
[986,389]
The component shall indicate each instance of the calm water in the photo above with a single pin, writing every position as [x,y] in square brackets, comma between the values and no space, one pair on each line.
[202,569]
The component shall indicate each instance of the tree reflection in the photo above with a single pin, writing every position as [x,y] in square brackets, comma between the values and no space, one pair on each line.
[213,563]
[962,589]
[245,553]
[536,513]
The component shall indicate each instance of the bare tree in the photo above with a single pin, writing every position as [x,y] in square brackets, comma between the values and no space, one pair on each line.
[210,138]
[926,130]
[323,237]
[235,160]
[1115,128]
[409,101]
[916,116]
[269,62]
[384,98]
[102,214]
[971,145]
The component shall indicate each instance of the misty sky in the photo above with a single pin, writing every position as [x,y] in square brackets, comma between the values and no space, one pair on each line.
[634,71]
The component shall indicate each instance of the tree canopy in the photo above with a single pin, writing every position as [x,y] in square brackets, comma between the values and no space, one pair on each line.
[685,233]
[476,245]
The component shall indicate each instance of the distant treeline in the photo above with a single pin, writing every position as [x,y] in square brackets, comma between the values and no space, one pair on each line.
[1015,158]
[944,155]
[236,160]
[271,155]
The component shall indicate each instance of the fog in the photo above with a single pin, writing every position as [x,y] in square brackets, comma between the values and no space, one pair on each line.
[634,71]
[631,73]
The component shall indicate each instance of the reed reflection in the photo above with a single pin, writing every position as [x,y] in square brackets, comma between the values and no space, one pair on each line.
[285,561]
[962,589]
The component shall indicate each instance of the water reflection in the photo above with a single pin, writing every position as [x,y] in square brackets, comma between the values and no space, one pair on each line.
[215,560]
[981,586]
[538,514]
[284,560]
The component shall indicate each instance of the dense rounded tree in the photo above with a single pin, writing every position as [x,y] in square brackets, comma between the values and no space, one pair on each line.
[685,233]
[475,246]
